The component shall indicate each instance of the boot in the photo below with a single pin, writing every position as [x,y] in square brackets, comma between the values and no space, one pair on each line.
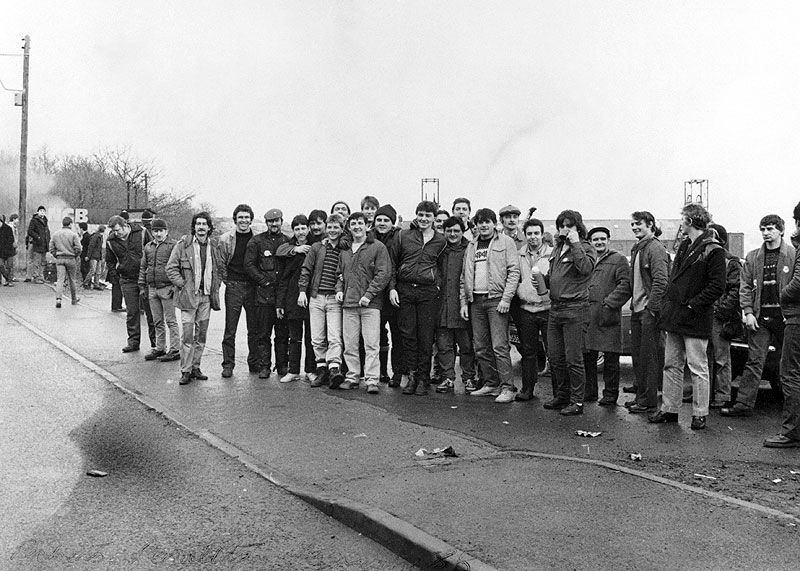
[411,387]
[396,378]
[422,387]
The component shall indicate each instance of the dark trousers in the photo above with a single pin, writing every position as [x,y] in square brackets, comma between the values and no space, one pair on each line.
[297,341]
[133,305]
[389,317]
[758,342]
[790,381]
[446,340]
[647,352]
[417,315]
[565,341]
[239,295]
[116,290]
[529,327]
[267,320]
[610,374]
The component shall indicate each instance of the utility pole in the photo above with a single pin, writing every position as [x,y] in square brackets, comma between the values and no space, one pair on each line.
[23,146]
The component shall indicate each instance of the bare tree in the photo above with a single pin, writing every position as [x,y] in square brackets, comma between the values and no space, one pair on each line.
[121,162]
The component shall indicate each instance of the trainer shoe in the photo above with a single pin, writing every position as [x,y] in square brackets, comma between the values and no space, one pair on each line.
[288,378]
[486,391]
[781,441]
[572,410]
[506,395]
[445,386]
[373,389]
[469,386]
[335,376]
[698,423]
[347,385]
[154,354]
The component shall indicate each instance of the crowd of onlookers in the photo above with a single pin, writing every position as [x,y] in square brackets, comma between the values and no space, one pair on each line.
[353,299]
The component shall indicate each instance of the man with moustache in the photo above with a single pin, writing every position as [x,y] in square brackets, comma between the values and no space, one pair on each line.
[261,264]
[509,218]
[193,268]
[240,292]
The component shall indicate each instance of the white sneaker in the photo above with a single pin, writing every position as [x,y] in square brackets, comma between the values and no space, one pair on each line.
[311,377]
[506,395]
[486,391]
[288,378]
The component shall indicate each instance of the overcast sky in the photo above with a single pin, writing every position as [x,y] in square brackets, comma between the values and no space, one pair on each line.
[602,106]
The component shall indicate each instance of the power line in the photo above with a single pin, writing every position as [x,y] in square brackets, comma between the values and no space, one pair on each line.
[3,85]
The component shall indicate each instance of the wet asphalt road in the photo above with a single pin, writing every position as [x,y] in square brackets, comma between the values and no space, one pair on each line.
[169,500]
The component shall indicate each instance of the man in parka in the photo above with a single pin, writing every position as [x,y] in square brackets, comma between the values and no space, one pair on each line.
[38,240]
[609,289]
[193,268]
[160,291]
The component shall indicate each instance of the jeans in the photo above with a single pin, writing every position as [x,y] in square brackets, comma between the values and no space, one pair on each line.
[195,328]
[132,294]
[358,323]
[790,381]
[529,327]
[325,314]
[36,263]
[648,357]
[446,339]
[389,317]
[610,374]
[721,359]
[679,351]
[758,342]
[417,315]
[298,342]
[93,276]
[490,338]
[240,295]
[267,321]
[565,343]
[66,268]
[163,309]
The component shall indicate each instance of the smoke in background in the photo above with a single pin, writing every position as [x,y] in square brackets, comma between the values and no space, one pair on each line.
[39,186]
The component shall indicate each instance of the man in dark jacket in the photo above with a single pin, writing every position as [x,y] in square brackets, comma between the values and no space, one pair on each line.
[363,273]
[38,240]
[727,324]
[414,290]
[384,229]
[571,267]
[261,263]
[789,436]
[160,291]
[766,272]
[94,256]
[7,250]
[452,330]
[609,289]
[696,281]
[649,277]
[124,254]
[290,261]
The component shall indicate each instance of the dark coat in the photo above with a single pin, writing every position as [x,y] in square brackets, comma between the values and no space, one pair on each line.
[387,309]
[571,267]
[726,308]
[609,289]
[261,264]
[696,281]
[450,266]
[96,246]
[7,246]
[288,277]
[39,234]
[125,256]
[790,294]
[413,260]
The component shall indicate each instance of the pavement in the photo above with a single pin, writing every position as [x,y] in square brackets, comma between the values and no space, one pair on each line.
[524,491]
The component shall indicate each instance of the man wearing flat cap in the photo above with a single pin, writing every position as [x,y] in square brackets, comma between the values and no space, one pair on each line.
[509,217]
[261,264]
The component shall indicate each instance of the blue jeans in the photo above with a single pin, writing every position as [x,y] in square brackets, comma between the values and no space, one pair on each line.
[490,338]
[757,347]
[240,295]
[565,347]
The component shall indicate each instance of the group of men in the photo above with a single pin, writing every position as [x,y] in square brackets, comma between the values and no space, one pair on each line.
[344,283]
